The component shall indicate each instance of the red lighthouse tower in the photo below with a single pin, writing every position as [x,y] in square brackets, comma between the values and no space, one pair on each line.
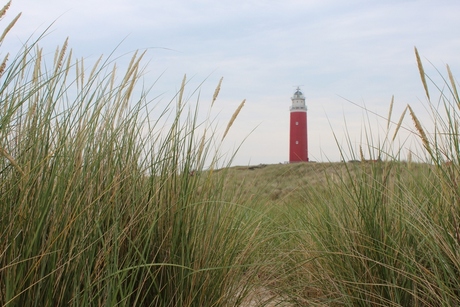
[298,139]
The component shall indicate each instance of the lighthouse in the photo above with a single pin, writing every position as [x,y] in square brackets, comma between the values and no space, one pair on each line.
[298,138]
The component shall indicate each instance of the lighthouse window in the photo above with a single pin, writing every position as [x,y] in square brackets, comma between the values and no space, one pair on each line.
[297,142]
[296,123]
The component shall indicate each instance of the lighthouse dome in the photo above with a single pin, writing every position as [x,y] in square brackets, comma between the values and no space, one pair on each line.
[298,94]
[298,102]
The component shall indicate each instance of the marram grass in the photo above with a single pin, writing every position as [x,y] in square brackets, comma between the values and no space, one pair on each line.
[102,206]
[388,232]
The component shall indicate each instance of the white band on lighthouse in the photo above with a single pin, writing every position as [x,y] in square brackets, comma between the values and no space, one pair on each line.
[298,102]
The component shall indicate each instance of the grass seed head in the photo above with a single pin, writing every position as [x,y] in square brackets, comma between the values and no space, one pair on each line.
[60,57]
[37,65]
[216,92]
[201,146]
[390,111]
[8,28]
[234,116]
[399,123]
[3,65]
[454,87]
[422,73]
[181,92]
[12,160]
[4,9]
[419,128]
[95,66]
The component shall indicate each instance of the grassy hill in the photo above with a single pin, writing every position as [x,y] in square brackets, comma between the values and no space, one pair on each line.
[280,181]
[354,232]
[289,182]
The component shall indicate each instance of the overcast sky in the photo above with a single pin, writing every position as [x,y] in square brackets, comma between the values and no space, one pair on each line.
[341,53]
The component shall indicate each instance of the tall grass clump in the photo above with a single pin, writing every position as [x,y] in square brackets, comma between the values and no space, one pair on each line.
[387,233]
[100,205]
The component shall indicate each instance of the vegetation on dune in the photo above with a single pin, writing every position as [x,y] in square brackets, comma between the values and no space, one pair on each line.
[387,232]
[102,205]
[380,232]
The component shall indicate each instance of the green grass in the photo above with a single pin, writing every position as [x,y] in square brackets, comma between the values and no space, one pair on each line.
[383,233]
[100,204]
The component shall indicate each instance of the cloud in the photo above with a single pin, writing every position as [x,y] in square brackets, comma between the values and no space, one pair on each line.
[360,50]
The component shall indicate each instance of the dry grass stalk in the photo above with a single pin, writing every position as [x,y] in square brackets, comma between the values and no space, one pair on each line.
[399,123]
[37,66]
[56,55]
[131,63]
[132,83]
[361,154]
[5,106]
[390,111]
[77,73]
[94,67]
[67,65]
[181,92]
[69,58]
[234,116]
[201,147]
[81,72]
[216,92]
[24,64]
[112,80]
[4,9]
[8,28]
[133,66]
[3,65]
[454,87]
[422,73]
[129,80]
[420,130]
[12,160]
[60,56]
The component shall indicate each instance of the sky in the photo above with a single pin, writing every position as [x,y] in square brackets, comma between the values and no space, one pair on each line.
[346,56]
